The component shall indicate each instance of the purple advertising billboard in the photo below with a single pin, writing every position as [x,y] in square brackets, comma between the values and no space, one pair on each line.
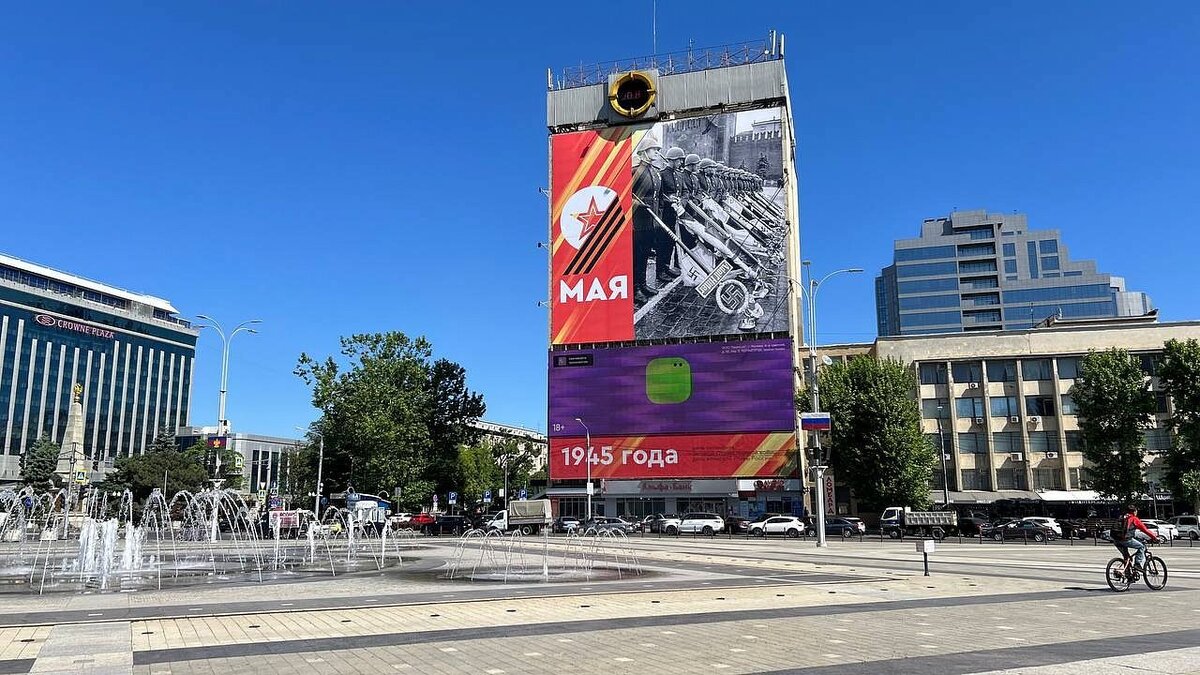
[712,387]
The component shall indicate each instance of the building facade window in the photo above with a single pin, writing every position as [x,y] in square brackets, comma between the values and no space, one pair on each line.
[980,282]
[1010,250]
[1081,477]
[939,269]
[933,373]
[930,319]
[924,253]
[1039,406]
[927,285]
[1010,478]
[1068,405]
[1005,406]
[1043,441]
[1156,440]
[967,371]
[1002,371]
[1037,369]
[929,301]
[1074,440]
[1068,367]
[1007,441]
[969,406]
[1047,479]
[1010,266]
[975,479]
[1048,246]
[972,443]
[976,266]
[636,509]
[1033,260]
[976,250]
[933,408]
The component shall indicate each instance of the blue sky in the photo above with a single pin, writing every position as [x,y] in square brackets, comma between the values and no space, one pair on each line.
[333,168]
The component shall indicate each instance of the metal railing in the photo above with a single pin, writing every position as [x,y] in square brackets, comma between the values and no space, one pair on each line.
[671,63]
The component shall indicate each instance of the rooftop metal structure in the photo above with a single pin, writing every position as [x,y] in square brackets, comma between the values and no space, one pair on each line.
[671,63]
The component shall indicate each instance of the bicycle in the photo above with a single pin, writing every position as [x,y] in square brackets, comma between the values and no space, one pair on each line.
[1120,572]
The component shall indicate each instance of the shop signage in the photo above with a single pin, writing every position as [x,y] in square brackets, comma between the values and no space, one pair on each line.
[666,486]
[66,324]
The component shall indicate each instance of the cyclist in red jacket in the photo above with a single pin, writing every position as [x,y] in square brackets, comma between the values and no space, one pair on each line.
[1123,537]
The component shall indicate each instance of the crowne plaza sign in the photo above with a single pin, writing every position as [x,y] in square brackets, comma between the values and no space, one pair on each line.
[66,324]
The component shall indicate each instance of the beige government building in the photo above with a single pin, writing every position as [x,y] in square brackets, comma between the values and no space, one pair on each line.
[999,404]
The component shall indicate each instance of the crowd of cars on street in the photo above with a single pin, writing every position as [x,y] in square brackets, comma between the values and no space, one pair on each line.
[1029,528]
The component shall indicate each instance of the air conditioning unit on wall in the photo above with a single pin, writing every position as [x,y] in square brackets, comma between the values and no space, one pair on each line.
[1017,456]
[1014,419]
[1051,455]
[1034,419]
[978,420]
[973,385]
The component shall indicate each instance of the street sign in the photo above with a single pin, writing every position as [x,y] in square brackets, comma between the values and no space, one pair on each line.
[81,477]
[819,421]
[830,495]
[452,498]
[262,495]
[435,502]
[351,499]
[487,496]
[274,503]
[522,495]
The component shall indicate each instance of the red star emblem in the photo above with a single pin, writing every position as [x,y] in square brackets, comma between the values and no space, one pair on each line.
[589,219]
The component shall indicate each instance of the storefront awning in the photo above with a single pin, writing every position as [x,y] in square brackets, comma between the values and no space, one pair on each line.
[1076,496]
[981,496]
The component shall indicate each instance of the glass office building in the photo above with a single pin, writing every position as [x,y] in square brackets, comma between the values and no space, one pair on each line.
[975,270]
[130,352]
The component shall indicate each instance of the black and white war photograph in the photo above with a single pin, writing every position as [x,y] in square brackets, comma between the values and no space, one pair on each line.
[710,226]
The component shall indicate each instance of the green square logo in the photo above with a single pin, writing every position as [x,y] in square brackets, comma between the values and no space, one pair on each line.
[668,380]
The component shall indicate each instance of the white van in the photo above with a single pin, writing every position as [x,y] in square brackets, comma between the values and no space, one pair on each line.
[1187,526]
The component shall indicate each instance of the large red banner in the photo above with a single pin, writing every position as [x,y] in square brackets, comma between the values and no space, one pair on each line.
[591,236]
[676,456]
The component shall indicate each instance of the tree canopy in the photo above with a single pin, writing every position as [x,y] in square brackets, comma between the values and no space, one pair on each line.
[878,447]
[38,464]
[1179,375]
[392,416]
[1114,404]
[163,466]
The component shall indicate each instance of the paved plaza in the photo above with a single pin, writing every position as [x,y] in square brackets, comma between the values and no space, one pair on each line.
[702,606]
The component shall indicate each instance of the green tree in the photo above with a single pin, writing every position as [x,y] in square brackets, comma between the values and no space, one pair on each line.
[38,464]
[392,418]
[163,466]
[1114,404]
[477,471]
[877,444]
[1179,374]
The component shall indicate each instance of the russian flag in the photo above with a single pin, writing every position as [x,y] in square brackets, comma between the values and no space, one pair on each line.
[815,421]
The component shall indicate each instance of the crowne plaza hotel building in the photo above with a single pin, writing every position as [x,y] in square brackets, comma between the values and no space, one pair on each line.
[130,353]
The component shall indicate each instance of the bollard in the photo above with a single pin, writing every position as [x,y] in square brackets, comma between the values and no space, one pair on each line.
[925,547]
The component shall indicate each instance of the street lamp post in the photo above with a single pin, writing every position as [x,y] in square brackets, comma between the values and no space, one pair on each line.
[222,423]
[942,452]
[819,468]
[320,465]
[588,460]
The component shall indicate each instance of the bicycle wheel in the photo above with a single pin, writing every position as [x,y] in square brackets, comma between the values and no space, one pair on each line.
[1155,573]
[1115,575]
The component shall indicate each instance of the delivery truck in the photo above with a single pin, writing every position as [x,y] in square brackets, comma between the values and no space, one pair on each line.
[529,517]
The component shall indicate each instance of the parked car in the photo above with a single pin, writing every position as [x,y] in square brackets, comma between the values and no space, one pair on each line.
[838,527]
[856,522]
[971,526]
[610,523]
[1051,523]
[790,526]
[447,524]
[422,522]
[702,523]
[660,522]
[737,525]
[1188,526]
[1021,529]
[565,524]
[1164,528]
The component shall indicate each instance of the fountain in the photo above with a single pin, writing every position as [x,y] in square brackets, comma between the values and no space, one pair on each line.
[105,542]
[512,557]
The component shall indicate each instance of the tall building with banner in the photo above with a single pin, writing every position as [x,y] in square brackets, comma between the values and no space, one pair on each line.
[130,354]
[674,235]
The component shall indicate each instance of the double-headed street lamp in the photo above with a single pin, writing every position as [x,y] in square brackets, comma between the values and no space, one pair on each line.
[222,423]
[819,466]
[588,454]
